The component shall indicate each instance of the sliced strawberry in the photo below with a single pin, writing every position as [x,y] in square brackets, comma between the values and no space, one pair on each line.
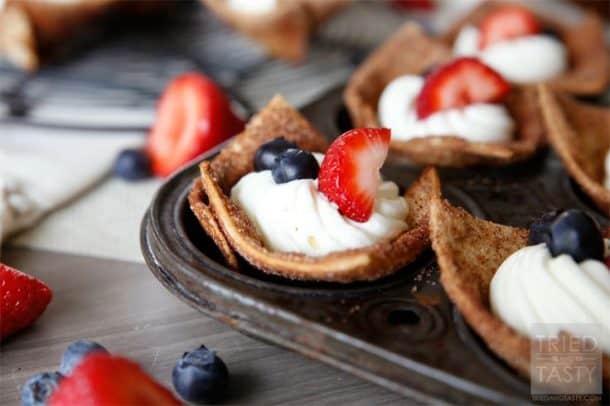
[102,379]
[23,298]
[193,116]
[349,174]
[459,83]
[506,23]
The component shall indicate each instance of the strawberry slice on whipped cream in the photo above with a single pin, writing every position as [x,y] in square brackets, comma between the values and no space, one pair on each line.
[461,98]
[512,41]
[349,175]
[346,206]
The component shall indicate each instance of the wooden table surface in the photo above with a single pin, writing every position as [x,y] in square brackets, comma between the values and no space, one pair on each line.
[122,306]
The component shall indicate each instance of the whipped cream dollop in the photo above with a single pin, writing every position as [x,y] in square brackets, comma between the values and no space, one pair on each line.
[296,217]
[253,6]
[528,59]
[478,122]
[532,290]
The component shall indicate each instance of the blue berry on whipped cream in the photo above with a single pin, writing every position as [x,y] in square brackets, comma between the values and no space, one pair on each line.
[562,284]
[267,154]
[295,164]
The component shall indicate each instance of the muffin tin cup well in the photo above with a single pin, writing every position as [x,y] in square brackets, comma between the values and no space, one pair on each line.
[400,332]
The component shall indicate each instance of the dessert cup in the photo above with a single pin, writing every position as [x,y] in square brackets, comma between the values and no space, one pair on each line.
[411,51]
[31,30]
[589,60]
[235,235]
[580,135]
[284,32]
[469,251]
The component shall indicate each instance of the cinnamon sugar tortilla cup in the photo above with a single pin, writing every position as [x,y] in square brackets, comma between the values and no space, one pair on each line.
[589,65]
[411,51]
[31,30]
[285,31]
[234,233]
[468,252]
[580,135]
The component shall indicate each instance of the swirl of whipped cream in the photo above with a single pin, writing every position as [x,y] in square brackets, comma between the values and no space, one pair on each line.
[532,291]
[533,58]
[253,6]
[478,122]
[296,217]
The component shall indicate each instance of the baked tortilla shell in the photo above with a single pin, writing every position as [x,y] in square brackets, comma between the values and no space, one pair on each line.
[232,230]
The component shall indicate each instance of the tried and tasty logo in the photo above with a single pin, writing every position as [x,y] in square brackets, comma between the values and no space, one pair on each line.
[566,363]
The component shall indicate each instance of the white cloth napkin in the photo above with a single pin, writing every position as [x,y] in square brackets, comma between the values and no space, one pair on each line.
[41,170]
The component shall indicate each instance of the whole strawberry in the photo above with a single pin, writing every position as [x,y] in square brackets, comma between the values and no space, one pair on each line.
[22,300]
[193,116]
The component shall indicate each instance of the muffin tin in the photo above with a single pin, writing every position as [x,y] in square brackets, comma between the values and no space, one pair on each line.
[401,332]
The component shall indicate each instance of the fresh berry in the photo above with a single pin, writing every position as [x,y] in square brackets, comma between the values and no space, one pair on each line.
[193,116]
[358,55]
[539,229]
[132,164]
[39,388]
[607,261]
[349,174]
[22,300]
[550,32]
[102,380]
[506,23]
[76,352]
[577,234]
[200,376]
[266,155]
[295,164]
[459,83]
[426,72]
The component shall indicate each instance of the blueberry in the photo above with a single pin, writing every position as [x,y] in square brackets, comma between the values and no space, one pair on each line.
[266,155]
[132,164]
[358,56]
[539,229]
[76,352]
[295,164]
[200,376]
[551,32]
[39,388]
[577,234]
[428,70]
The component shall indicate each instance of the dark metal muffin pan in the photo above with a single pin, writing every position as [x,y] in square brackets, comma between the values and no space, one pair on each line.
[401,332]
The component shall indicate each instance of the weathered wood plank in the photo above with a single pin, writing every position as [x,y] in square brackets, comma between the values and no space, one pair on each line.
[122,306]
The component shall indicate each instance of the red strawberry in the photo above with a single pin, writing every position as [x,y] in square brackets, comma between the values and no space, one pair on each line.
[506,23]
[349,174]
[459,83]
[193,116]
[607,261]
[102,379]
[22,300]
